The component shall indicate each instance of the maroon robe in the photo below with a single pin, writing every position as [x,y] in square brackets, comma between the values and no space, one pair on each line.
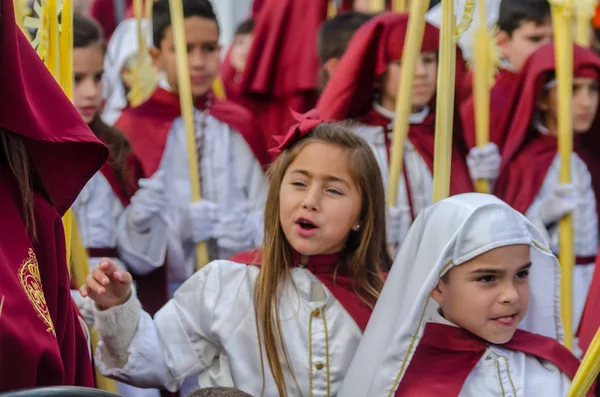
[502,96]
[281,72]
[351,91]
[325,268]
[42,341]
[104,11]
[446,355]
[527,154]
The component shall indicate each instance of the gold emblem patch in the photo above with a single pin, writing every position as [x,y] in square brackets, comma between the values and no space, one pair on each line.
[29,274]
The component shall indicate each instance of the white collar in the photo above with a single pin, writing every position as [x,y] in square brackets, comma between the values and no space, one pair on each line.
[414,118]
[505,64]
[541,128]
[436,317]
[164,83]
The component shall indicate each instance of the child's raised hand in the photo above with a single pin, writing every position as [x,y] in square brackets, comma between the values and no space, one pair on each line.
[107,285]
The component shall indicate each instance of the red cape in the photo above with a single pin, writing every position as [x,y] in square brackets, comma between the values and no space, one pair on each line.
[422,136]
[41,339]
[527,154]
[338,284]
[446,355]
[282,67]
[147,127]
[104,12]
[502,96]
[590,320]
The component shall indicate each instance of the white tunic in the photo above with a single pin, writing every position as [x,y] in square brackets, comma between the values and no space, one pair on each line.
[585,225]
[419,175]
[503,372]
[212,315]
[231,177]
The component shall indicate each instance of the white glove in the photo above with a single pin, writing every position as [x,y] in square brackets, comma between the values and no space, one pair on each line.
[398,220]
[202,217]
[235,232]
[562,201]
[484,163]
[150,200]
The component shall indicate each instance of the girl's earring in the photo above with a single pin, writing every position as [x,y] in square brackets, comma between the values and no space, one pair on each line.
[356,228]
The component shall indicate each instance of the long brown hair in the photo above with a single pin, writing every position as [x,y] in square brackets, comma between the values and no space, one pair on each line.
[13,152]
[365,255]
[87,32]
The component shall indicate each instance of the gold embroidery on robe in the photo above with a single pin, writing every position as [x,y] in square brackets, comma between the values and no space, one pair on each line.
[29,275]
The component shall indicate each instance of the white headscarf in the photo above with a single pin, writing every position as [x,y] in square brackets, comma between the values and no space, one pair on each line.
[446,234]
[467,40]
[122,46]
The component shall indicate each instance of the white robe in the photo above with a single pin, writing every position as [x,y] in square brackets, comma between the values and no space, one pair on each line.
[419,175]
[503,372]
[98,210]
[585,225]
[231,177]
[212,315]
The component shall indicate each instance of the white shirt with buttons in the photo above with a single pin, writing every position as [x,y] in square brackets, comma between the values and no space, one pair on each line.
[208,330]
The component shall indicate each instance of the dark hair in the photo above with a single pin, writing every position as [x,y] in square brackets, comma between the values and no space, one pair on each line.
[161,16]
[219,392]
[86,31]
[514,12]
[13,153]
[335,34]
[245,27]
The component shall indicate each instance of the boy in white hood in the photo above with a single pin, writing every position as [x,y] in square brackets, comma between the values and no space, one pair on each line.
[471,308]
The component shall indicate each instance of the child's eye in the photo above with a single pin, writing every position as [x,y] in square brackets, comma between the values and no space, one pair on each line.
[334,191]
[523,274]
[298,183]
[77,78]
[98,77]
[210,48]
[487,279]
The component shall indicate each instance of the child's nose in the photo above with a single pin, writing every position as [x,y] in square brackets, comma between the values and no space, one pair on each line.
[509,293]
[311,200]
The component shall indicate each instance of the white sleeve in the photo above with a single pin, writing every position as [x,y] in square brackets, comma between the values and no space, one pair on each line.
[252,182]
[180,342]
[143,251]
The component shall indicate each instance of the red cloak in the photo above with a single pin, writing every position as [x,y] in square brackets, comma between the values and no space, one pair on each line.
[527,154]
[147,127]
[104,11]
[324,268]
[502,96]
[281,72]
[351,91]
[41,339]
[446,355]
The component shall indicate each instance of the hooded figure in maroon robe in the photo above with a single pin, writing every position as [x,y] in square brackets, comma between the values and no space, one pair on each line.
[529,162]
[351,92]
[42,340]
[281,72]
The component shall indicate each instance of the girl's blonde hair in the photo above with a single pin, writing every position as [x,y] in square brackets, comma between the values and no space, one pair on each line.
[365,256]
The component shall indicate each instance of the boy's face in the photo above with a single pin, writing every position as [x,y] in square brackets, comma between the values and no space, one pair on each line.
[424,83]
[242,43]
[523,41]
[202,37]
[584,105]
[488,295]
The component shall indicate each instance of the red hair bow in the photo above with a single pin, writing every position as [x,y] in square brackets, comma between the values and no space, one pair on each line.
[306,123]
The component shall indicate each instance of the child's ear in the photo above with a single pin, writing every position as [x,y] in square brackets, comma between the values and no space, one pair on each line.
[330,65]
[437,293]
[503,38]
[155,54]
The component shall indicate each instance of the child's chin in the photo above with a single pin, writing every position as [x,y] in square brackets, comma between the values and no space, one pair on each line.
[500,338]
